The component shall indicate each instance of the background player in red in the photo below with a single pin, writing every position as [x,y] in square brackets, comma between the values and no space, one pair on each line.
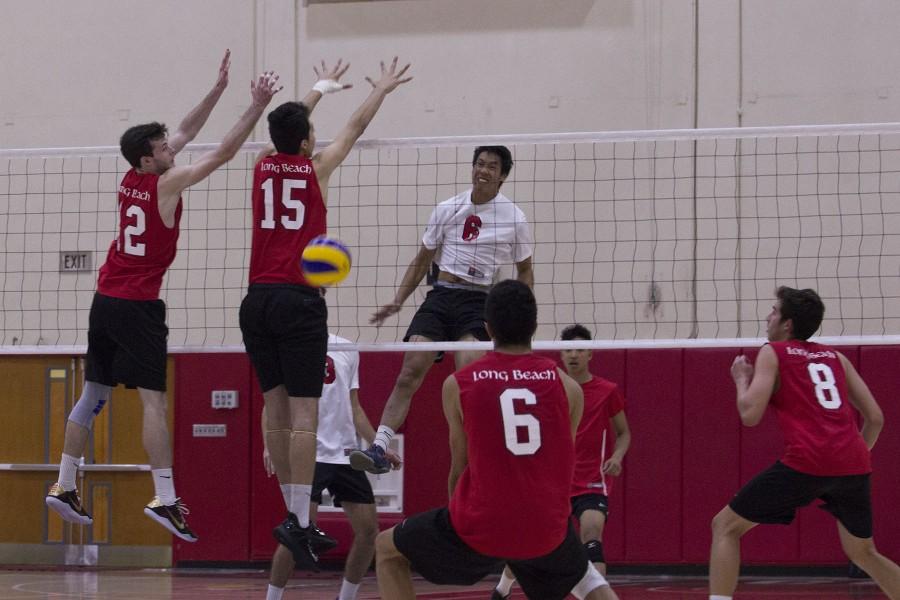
[284,321]
[127,324]
[814,390]
[468,238]
[604,406]
[512,417]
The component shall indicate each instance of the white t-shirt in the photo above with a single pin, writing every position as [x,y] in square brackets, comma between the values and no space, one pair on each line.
[474,240]
[336,429]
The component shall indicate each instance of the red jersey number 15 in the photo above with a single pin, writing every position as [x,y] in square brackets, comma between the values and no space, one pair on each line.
[294,209]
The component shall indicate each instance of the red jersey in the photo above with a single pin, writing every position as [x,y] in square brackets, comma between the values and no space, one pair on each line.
[512,499]
[144,248]
[288,212]
[813,407]
[602,401]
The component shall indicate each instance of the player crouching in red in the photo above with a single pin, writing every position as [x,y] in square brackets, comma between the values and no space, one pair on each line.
[513,416]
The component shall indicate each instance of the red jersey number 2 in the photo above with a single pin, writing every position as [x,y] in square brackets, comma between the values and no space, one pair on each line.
[134,230]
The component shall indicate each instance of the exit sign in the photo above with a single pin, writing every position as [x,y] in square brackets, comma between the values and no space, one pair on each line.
[74,261]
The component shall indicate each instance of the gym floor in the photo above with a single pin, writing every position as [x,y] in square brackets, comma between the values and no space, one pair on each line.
[213,584]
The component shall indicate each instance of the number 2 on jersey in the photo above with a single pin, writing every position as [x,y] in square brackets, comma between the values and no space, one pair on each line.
[134,230]
[287,187]
[512,421]
[826,390]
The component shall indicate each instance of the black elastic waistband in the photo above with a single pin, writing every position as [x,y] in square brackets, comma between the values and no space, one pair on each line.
[304,289]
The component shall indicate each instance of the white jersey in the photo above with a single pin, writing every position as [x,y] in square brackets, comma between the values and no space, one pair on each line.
[336,429]
[474,240]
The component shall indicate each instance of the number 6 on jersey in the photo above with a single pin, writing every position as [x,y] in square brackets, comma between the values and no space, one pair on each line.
[512,421]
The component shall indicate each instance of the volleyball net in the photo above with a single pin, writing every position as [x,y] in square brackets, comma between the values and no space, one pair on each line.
[649,237]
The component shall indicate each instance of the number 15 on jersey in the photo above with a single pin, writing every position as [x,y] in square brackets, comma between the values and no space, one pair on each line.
[294,209]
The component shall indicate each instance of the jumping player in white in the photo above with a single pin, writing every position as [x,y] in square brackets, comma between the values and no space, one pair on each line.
[469,237]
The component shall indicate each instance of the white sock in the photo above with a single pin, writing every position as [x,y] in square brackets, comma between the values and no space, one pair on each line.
[300,502]
[286,494]
[505,584]
[349,590]
[719,597]
[68,469]
[274,593]
[383,436]
[164,484]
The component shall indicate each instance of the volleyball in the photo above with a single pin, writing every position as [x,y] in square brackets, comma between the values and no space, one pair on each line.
[325,261]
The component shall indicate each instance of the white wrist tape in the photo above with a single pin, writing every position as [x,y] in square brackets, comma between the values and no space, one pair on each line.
[327,86]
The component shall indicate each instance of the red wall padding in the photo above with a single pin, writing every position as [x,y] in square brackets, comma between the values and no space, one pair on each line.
[711,449]
[212,473]
[689,456]
[880,367]
[654,410]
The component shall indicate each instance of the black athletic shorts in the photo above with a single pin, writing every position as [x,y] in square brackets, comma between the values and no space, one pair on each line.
[343,482]
[774,495]
[285,329]
[437,553]
[127,343]
[589,502]
[448,314]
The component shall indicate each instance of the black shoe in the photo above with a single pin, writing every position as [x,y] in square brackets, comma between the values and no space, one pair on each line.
[68,505]
[321,542]
[171,517]
[299,541]
[496,595]
[372,460]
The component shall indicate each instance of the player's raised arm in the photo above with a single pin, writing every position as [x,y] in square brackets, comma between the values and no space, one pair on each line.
[177,179]
[328,83]
[192,123]
[328,160]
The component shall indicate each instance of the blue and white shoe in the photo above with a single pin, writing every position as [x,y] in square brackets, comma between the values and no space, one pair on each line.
[372,460]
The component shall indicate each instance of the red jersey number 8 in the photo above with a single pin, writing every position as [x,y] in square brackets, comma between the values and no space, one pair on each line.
[826,390]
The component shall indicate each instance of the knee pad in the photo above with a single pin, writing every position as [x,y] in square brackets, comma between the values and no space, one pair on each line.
[93,398]
[594,550]
[591,581]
